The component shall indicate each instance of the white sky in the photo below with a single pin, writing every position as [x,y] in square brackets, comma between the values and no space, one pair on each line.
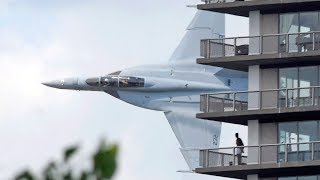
[44,40]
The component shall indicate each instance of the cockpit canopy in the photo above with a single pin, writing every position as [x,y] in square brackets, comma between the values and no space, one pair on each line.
[116,81]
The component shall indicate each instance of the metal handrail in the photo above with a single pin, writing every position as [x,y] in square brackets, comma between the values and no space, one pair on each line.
[234,100]
[248,146]
[255,157]
[265,90]
[208,46]
[264,35]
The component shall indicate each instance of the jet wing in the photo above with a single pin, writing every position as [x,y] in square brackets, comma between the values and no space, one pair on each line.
[193,133]
[205,25]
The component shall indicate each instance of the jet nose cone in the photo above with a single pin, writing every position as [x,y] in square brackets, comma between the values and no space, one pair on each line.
[54,83]
[67,83]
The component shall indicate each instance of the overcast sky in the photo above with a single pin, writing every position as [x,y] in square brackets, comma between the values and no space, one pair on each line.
[49,39]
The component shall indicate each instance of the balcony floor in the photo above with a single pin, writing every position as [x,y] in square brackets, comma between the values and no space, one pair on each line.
[300,113]
[264,170]
[242,8]
[279,60]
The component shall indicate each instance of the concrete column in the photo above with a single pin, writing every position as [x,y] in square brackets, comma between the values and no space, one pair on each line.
[253,177]
[254,85]
[254,30]
[270,25]
[253,140]
[269,135]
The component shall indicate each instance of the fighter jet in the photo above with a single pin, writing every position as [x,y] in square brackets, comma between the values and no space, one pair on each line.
[173,88]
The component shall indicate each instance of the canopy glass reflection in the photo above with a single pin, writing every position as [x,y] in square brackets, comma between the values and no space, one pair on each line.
[116,81]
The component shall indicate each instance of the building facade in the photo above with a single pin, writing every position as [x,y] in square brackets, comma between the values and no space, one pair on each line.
[282,105]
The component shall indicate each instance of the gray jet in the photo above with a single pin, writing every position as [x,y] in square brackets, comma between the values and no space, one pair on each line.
[173,88]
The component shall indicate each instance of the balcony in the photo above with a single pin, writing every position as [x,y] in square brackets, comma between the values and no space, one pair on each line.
[265,160]
[242,8]
[274,105]
[272,50]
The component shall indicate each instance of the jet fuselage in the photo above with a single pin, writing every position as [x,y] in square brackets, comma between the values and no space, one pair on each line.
[156,87]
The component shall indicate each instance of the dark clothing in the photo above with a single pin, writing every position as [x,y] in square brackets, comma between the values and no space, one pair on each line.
[239,142]
[239,151]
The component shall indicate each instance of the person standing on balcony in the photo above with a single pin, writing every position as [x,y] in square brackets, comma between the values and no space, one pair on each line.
[239,149]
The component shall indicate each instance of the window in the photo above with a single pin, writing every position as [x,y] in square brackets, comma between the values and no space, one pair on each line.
[295,23]
[298,77]
[125,81]
[109,81]
[300,178]
[115,81]
[297,132]
[93,82]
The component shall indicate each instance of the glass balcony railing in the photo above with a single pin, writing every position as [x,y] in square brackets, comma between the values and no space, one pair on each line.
[260,154]
[265,99]
[264,44]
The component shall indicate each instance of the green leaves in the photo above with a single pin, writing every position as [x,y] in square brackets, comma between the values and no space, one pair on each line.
[104,162]
[49,171]
[69,152]
[25,175]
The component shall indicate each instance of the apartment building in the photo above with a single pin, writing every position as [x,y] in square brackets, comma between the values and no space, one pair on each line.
[282,105]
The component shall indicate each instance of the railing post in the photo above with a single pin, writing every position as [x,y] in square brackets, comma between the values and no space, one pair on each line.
[235,46]
[259,154]
[223,48]
[260,99]
[287,40]
[278,98]
[298,97]
[207,158]
[207,99]
[223,104]
[313,41]
[222,160]
[286,153]
[261,44]
[286,98]
[208,48]
[312,96]
[234,155]
[234,102]
[312,151]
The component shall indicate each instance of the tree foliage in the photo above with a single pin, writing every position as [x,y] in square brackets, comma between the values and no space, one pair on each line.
[104,165]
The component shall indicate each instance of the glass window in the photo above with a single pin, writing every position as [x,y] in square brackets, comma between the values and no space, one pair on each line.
[295,23]
[298,132]
[288,79]
[298,77]
[289,23]
[309,21]
[125,81]
[307,178]
[307,131]
[287,178]
[288,133]
[299,178]
[308,76]
[109,81]
[93,82]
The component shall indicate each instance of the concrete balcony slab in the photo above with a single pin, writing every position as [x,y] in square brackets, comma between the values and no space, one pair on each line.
[242,8]
[264,170]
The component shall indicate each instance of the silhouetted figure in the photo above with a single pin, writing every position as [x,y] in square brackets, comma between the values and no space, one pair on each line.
[239,150]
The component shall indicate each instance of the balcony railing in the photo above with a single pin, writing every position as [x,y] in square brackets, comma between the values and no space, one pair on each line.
[260,154]
[265,99]
[263,44]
